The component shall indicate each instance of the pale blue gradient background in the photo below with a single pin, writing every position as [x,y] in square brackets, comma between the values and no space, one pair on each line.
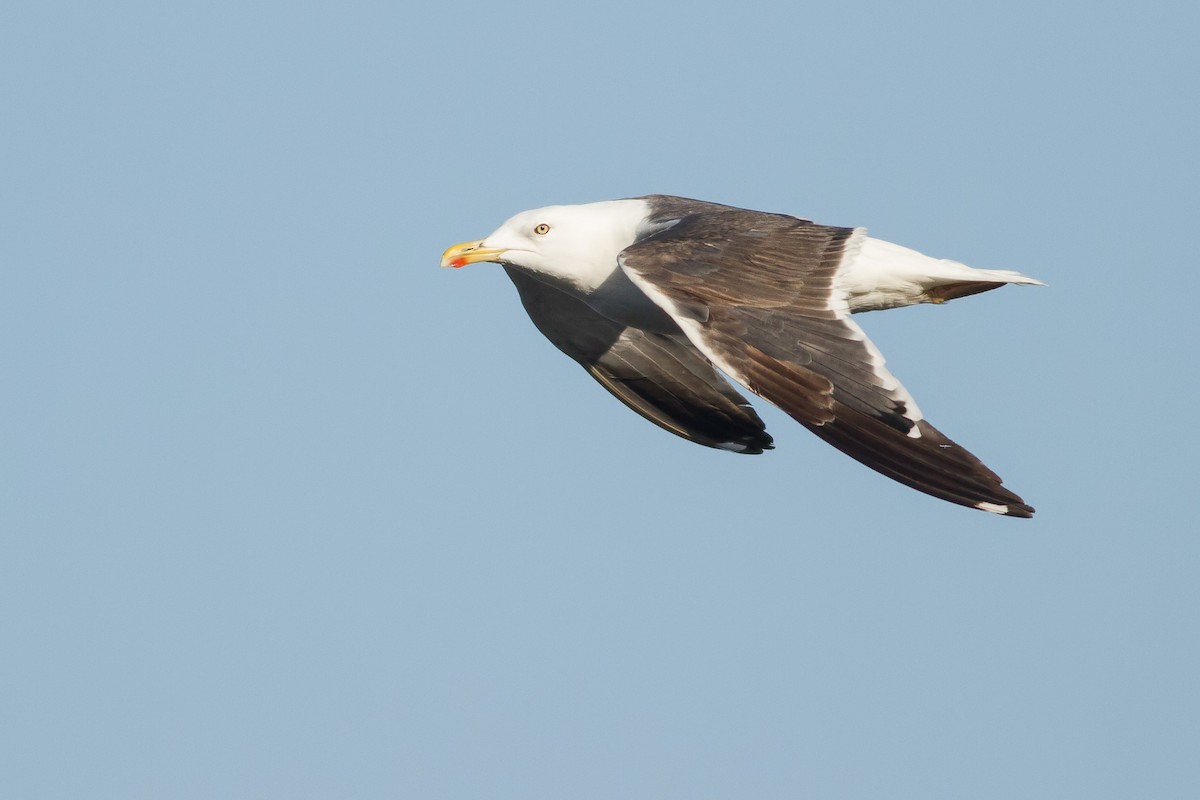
[289,512]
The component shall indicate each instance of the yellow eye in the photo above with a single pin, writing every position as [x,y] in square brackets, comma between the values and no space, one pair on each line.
[542,229]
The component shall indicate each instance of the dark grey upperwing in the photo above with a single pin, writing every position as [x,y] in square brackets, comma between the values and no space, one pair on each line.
[757,289]
[661,376]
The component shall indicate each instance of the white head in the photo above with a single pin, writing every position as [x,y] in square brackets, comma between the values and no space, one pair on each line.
[578,244]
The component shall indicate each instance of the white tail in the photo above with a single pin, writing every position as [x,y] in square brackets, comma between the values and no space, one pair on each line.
[876,275]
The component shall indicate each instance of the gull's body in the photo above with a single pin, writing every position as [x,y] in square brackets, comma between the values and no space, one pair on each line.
[648,294]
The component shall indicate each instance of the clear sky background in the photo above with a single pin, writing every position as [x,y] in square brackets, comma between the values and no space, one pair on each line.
[286,511]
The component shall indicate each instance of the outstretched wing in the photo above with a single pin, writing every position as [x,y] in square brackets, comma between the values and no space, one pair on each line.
[661,376]
[757,293]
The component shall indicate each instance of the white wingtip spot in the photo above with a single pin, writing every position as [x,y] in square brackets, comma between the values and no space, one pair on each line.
[736,447]
[995,508]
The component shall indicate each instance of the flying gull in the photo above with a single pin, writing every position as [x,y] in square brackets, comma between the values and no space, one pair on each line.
[653,294]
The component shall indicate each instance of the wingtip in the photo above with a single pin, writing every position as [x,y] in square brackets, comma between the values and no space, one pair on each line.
[748,446]
[1020,510]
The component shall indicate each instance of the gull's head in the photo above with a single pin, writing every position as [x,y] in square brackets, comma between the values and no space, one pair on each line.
[578,243]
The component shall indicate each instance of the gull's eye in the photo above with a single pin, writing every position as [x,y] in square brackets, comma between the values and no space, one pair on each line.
[542,229]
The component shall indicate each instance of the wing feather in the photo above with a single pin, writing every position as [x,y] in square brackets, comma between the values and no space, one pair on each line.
[757,294]
[660,375]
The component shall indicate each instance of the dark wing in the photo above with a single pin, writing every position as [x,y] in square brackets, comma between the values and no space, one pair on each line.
[756,292]
[661,376]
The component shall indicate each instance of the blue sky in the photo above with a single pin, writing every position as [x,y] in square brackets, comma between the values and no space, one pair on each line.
[287,511]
